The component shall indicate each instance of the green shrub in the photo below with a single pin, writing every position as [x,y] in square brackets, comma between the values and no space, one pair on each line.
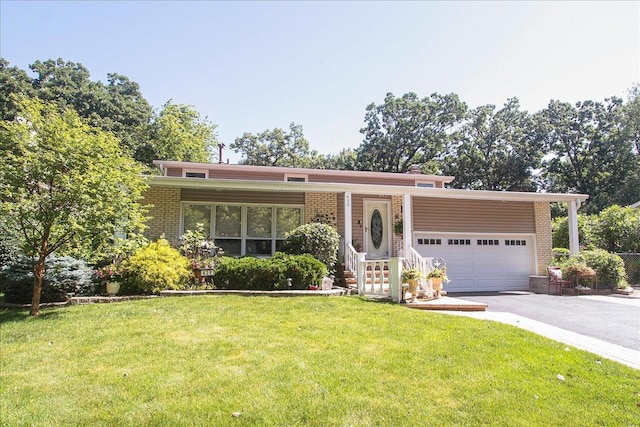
[269,274]
[617,229]
[9,245]
[319,240]
[611,273]
[156,267]
[561,254]
[64,277]
[560,230]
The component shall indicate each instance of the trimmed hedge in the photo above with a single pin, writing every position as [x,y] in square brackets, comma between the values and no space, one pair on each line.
[269,274]
[64,277]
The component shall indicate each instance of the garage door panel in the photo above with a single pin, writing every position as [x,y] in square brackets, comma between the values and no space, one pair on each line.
[481,262]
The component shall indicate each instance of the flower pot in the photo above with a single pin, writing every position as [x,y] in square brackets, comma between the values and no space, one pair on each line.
[413,289]
[113,288]
[436,282]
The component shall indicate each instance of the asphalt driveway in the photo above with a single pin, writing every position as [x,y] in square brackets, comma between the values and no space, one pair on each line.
[613,319]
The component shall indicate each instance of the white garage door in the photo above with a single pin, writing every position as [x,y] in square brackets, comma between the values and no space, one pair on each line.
[481,262]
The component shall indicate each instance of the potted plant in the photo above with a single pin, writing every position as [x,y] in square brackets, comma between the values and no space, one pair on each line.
[398,228]
[411,277]
[110,275]
[437,276]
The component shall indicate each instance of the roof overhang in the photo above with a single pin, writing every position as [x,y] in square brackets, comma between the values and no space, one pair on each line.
[163,165]
[368,189]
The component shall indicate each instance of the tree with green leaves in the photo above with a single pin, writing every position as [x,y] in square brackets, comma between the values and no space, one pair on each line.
[408,130]
[277,147]
[496,150]
[587,152]
[178,132]
[64,183]
[117,106]
[344,160]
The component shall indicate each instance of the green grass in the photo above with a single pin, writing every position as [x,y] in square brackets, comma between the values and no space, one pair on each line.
[295,362]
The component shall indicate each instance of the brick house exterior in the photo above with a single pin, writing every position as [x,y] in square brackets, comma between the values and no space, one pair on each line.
[249,209]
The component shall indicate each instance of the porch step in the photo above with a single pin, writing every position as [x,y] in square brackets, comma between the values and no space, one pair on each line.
[447,303]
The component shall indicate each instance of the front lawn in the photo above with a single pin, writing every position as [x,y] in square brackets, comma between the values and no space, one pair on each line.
[195,361]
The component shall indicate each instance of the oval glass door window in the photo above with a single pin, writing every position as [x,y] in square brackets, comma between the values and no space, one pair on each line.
[376,228]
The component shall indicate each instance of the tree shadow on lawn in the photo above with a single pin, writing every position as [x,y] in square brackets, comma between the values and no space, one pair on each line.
[15,314]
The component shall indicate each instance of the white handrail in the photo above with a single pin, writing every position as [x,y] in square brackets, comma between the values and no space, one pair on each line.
[351,259]
[415,260]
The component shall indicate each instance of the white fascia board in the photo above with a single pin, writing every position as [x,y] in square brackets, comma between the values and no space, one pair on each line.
[332,187]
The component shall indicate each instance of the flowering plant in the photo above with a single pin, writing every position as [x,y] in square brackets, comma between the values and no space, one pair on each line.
[202,263]
[411,274]
[108,273]
[438,273]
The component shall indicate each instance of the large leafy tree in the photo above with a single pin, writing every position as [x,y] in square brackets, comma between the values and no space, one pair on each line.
[628,192]
[587,152]
[178,132]
[277,147]
[117,106]
[408,130]
[64,183]
[496,150]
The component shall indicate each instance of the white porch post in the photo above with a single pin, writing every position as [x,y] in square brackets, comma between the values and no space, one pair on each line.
[395,279]
[348,234]
[406,224]
[574,243]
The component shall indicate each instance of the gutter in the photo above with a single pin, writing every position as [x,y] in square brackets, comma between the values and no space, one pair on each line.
[369,189]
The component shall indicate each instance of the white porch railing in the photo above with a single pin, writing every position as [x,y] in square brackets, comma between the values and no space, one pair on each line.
[383,277]
[351,260]
[415,260]
[372,276]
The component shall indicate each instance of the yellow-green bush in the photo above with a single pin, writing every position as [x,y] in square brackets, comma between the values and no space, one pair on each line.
[157,267]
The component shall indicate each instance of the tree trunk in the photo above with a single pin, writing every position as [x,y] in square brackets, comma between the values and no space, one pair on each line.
[38,273]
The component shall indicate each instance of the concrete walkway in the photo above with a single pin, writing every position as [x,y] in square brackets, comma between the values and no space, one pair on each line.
[604,349]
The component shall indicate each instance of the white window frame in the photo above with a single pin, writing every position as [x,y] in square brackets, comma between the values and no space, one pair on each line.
[297,176]
[243,222]
[186,171]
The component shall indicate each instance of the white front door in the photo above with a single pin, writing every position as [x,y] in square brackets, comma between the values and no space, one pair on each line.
[377,228]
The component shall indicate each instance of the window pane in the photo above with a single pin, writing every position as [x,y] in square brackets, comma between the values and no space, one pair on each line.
[193,214]
[258,222]
[258,247]
[286,220]
[228,221]
[229,246]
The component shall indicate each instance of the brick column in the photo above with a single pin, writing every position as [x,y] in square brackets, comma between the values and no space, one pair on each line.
[544,250]
[164,213]
[321,207]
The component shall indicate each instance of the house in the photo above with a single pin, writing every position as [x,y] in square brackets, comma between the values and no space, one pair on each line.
[490,240]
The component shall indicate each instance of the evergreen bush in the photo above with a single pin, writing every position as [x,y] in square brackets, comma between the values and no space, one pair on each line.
[64,277]
[156,267]
[319,240]
[269,274]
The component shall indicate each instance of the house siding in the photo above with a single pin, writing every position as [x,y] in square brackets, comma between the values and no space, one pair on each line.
[544,239]
[472,216]
[164,213]
[175,172]
[244,197]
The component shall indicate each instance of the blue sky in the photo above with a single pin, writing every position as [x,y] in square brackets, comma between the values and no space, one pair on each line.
[252,66]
